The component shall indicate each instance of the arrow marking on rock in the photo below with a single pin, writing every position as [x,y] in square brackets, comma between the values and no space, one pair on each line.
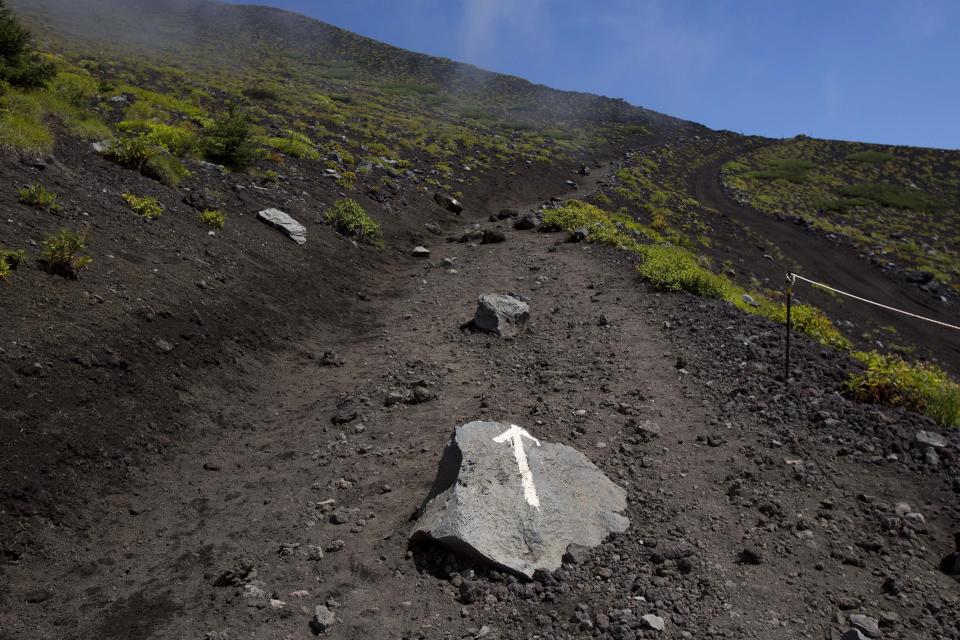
[515,435]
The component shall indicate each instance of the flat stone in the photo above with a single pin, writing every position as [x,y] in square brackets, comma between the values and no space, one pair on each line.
[420,252]
[506,498]
[926,439]
[651,621]
[282,221]
[869,626]
[503,315]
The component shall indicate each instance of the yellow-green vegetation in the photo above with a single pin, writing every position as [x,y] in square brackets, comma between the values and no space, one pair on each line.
[144,153]
[293,144]
[674,268]
[61,253]
[349,218]
[4,270]
[13,258]
[213,218]
[897,204]
[145,206]
[36,195]
[921,387]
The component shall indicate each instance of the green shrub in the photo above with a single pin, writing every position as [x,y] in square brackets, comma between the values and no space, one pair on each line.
[13,258]
[349,218]
[921,387]
[61,253]
[230,141]
[213,218]
[140,153]
[36,195]
[792,170]
[145,206]
[295,145]
[870,156]
[894,197]
[672,268]
[19,64]
[180,140]
[4,270]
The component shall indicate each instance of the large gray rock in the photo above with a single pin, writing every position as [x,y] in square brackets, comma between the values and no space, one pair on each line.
[503,315]
[507,498]
[928,439]
[276,218]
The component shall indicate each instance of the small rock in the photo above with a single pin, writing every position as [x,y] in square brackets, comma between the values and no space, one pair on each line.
[503,315]
[38,596]
[282,221]
[579,235]
[323,619]
[750,556]
[420,252]
[493,236]
[576,554]
[927,439]
[869,626]
[853,634]
[527,222]
[651,621]
[450,204]
[163,346]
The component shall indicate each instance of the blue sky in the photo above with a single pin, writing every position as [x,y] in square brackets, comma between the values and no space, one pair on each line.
[872,70]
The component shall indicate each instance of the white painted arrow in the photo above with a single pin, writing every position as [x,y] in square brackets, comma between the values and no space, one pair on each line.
[515,435]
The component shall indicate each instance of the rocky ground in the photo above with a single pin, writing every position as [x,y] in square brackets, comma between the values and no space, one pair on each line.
[758,509]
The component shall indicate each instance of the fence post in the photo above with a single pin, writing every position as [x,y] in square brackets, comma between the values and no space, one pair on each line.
[786,360]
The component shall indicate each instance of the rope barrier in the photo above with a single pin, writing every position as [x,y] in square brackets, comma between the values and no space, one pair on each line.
[877,304]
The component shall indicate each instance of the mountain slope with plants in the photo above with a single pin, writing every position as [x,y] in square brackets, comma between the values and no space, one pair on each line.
[238,251]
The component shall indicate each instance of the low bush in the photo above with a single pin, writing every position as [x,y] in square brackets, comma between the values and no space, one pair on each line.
[672,268]
[144,206]
[36,195]
[213,218]
[870,156]
[890,380]
[140,153]
[792,170]
[349,218]
[230,141]
[893,196]
[61,253]
[13,258]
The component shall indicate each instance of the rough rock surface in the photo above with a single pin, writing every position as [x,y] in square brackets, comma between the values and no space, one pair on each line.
[503,315]
[482,505]
[282,221]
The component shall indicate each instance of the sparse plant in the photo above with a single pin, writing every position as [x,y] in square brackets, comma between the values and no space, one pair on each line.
[920,387]
[349,218]
[213,218]
[13,258]
[36,195]
[145,206]
[4,270]
[61,253]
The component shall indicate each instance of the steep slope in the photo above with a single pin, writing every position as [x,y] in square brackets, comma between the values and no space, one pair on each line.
[203,399]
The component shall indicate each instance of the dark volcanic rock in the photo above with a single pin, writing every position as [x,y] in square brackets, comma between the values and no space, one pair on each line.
[448,203]
[503,315]
[502,496]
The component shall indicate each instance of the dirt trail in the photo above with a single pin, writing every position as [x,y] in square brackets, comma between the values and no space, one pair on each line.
[815,257]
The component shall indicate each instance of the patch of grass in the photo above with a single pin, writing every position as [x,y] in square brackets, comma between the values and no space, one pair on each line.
[615,229]
[893,196]
[4,270]
[145,206]
[213,218]
[349,218]
[295,145]
[791,169]
[21,123]
[890,380]
[13,258]
[36,195]
[61,254]
[870,156]
[672,268]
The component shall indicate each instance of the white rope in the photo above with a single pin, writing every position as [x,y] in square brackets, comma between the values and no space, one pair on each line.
[877,304]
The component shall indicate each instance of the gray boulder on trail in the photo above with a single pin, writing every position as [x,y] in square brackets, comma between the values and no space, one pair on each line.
[506,498]
[504,315]
[282,221]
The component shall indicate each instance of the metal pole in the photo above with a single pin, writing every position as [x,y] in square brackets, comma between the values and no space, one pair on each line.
[786,361]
